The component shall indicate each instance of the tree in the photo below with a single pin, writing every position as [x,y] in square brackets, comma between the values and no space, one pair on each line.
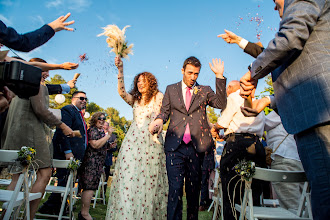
[57,79]
[269,90]
[120,124]
[212,116]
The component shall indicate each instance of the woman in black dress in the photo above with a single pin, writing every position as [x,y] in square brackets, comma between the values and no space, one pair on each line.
[99,141]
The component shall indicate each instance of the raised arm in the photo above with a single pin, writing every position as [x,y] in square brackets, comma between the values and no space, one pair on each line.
[128,98]
[218,99]
[46,66]
[298,21]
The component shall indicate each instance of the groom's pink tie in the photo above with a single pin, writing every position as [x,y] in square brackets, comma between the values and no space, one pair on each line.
[187,136]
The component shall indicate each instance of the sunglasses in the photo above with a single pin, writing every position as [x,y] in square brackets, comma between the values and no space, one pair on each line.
[82,98]
[102,118]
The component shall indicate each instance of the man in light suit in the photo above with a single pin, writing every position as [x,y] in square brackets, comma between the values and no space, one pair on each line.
[299,60]
[188,135]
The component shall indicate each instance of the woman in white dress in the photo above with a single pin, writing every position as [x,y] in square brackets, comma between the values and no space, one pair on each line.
[139,186]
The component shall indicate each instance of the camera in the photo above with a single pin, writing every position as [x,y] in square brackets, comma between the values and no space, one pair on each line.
[22,79]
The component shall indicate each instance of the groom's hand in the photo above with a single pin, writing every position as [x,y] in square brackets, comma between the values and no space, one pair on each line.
[156,126]
[217,67]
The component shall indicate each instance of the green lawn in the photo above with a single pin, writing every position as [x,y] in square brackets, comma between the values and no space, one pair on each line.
[100,210]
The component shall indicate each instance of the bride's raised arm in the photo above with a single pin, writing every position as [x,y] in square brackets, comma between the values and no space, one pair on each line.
[128,98]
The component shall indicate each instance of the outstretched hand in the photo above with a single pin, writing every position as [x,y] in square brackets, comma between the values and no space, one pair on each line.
[217,67]
[60,24]
[230,37]
[69,66]
[248,85]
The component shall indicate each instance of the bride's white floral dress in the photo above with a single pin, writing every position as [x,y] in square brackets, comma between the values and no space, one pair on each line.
[139,186]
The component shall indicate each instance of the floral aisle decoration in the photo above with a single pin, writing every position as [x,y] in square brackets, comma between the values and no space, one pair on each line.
[116,40]
[26,156]
[246,170]
[74,165]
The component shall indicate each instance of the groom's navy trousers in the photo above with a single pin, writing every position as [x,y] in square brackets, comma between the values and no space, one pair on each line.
[184,164]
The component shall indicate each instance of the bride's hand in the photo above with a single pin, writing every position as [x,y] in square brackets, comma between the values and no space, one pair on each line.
[118,63]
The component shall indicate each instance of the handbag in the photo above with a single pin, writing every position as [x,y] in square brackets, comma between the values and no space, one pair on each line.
[269,152]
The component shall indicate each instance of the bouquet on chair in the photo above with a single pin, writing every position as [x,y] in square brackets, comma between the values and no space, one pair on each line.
[116,40]
[26,155]
[245,169]
[74,165]
[24,160]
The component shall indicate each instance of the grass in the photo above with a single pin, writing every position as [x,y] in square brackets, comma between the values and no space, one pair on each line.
[100,210]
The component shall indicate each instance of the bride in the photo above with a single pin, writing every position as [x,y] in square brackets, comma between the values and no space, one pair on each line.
[139,186]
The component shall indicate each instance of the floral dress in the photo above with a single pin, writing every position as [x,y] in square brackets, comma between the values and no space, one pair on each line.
[89,173]
[139,187]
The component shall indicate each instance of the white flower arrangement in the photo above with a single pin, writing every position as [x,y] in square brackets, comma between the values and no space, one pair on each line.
[116,40]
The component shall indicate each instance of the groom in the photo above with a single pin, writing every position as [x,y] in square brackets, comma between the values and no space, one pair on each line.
[188,135]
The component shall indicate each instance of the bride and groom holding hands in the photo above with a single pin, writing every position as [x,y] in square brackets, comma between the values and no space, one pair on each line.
[149,176]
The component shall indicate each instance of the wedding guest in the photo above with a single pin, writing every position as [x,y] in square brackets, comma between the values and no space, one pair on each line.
[89,174]
[285,154]
[298,60]
[188,135]
[65,148]
[242,136]
[27,125]
[139,186]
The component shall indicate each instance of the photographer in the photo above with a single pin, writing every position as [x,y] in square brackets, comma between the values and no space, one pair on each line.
[27,125]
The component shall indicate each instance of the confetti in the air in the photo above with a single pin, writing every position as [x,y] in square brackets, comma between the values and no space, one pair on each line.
[83,57]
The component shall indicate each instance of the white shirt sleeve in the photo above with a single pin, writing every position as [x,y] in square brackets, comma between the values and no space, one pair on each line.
[242,44]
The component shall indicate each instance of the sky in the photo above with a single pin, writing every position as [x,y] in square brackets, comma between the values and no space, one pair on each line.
[164,34]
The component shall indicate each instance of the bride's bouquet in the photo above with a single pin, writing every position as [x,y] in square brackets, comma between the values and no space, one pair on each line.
[116,40]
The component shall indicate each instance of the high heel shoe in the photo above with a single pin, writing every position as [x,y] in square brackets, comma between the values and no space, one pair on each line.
[80,217]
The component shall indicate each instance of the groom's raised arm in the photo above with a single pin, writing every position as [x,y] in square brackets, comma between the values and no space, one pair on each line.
[218,99]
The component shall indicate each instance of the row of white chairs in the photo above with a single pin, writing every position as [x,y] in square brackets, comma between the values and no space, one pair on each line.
[14,200]
[248,211]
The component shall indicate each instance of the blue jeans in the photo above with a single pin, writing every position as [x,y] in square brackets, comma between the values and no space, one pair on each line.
[314,152]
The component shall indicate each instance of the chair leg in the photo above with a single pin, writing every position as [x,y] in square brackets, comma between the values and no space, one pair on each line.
[210,207]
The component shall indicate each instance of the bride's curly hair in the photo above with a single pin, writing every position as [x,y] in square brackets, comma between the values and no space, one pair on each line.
[152,87]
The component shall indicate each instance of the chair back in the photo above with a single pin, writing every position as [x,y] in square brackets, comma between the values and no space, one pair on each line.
[8,156]
[279,175]
[61,163]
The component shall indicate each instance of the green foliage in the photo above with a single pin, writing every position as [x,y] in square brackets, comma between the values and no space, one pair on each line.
[212,116]
[92,108]
[57,79]
[269,88]
[120,124]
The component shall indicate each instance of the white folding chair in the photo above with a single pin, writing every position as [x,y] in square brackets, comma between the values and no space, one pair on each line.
[217,197]
[67,191]
[15,199]
[251,212]
[100,190]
